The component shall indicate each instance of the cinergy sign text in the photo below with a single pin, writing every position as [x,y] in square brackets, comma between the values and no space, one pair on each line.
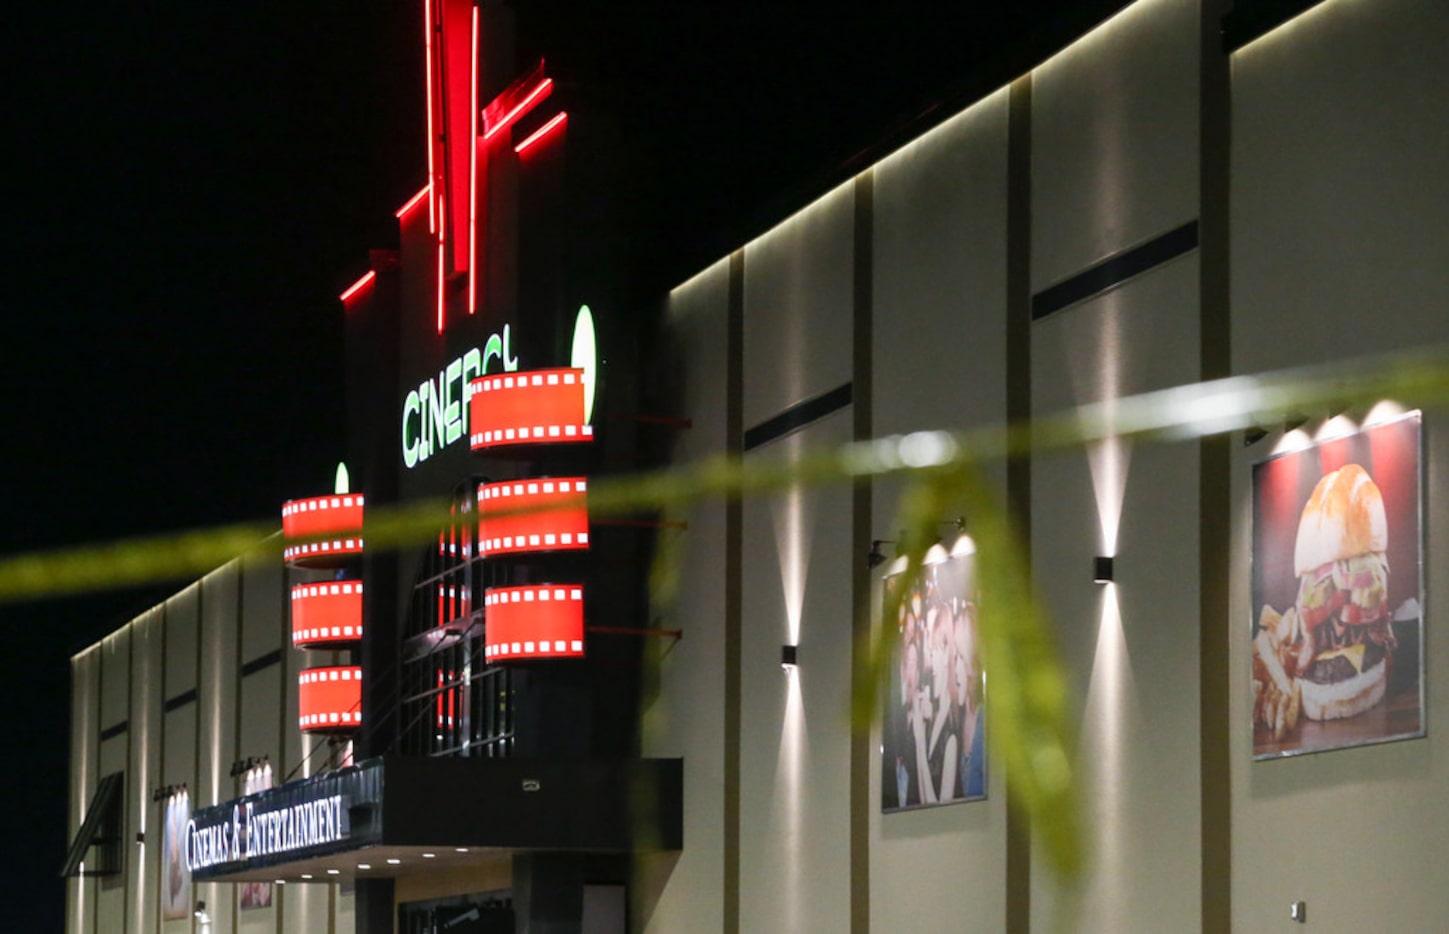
[435,414]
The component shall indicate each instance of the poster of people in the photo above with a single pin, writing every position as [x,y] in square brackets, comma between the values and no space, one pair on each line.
[1337,593]
[255,894]
[934,729]
[175,877]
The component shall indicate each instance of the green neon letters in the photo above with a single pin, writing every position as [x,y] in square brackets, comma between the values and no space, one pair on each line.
[436,413]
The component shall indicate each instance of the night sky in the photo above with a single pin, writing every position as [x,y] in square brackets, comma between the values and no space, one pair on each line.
[190,185]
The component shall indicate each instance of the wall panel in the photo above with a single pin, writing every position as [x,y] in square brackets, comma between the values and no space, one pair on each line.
[1114,138]
[939,362]
[795,742]
[1340,220]
[797,329]
[1131,647]
[687,718]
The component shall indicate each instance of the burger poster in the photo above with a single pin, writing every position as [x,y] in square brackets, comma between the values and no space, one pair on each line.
[1337,619]
[933,744]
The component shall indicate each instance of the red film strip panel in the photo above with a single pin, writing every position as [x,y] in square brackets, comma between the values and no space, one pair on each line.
[330,699]
[326,612]
[537,621]
[536,407]
[562,522]
[337,518]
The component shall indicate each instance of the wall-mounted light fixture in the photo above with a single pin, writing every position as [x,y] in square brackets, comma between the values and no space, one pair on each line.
[140,838]
[877,557]
[1102,569]
[243,766]
[788,658]
[201,914]
[1253,435]
[167,791]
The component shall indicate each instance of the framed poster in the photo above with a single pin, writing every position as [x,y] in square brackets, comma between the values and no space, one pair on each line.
[1337,624]
[175,877]
[933,734]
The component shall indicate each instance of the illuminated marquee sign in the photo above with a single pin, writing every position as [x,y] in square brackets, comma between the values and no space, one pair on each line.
[253,833]
[336,520]
[536,407]
[435,414]
[315,816]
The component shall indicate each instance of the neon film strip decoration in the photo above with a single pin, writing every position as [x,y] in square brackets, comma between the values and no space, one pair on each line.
[537,621]
[326,613]
[334,521]
[329,699]
[534,407]
[520,516]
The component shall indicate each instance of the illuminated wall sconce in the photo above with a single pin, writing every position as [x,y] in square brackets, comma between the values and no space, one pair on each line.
[167,791]
[1102,569]
[877,557]
[201,914]
[787,657]
[1253,435]
[1293,421]
[140,838]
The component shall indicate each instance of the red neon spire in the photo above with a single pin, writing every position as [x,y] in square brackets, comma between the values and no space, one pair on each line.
[542,131]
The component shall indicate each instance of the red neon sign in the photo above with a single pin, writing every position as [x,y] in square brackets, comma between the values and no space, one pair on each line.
[329,699]
[521,516]
[534,407]
[537,621]
[536,95]
[326,613]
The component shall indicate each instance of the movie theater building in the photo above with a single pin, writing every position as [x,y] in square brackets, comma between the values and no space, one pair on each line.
[1184,190]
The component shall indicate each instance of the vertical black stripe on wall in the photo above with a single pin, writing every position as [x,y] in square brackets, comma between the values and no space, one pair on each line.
[860,537]
[1018,409]
[734,592]
[1214,474]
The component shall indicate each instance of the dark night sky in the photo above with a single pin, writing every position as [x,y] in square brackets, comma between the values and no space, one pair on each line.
[189,186]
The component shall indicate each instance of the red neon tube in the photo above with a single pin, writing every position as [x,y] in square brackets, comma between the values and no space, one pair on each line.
[358,286]
[432,136]
[542,131]
[473,179]
[413,201]
[540,91]
[441,281]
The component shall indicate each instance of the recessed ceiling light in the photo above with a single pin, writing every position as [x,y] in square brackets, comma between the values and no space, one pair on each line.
[364,865]
[281,882]
[462,849]
[394,862]
[306,875]
[333,872]
[430,855]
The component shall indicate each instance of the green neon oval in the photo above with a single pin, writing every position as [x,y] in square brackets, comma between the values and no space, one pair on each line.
[585,356]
